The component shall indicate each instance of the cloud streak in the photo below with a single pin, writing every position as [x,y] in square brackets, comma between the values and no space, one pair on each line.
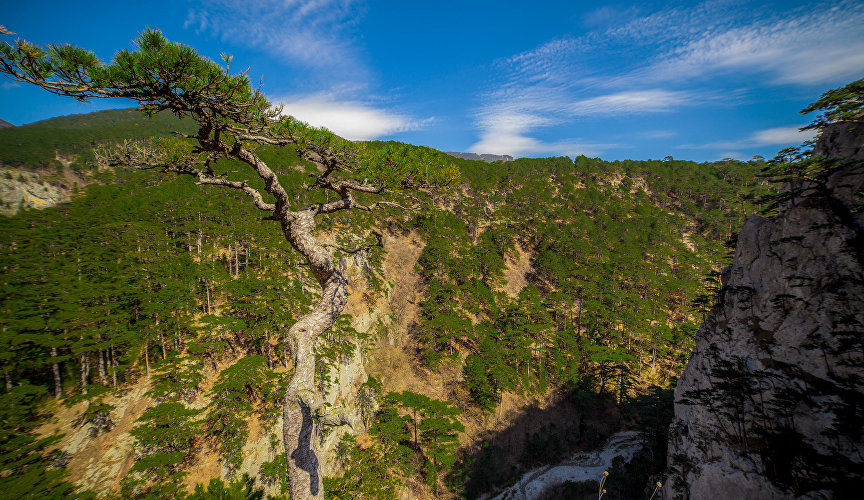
[814,46]
[777,136]
[665,61]
[311,33]
[317,35]
[508,133]
[353,120]
[507,124]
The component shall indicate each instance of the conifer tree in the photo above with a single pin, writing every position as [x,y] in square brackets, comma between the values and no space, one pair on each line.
[233,118]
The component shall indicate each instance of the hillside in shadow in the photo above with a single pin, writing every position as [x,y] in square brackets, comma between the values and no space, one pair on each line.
[578,420]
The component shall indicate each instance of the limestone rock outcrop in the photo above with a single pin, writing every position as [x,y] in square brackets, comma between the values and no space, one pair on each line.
[771,402]
[19,189]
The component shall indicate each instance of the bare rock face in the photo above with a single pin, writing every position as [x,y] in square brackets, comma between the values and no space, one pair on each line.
[771,403]
[843,140]
[20,189]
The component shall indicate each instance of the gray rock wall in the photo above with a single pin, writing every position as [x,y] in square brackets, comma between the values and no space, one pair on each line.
[771,403]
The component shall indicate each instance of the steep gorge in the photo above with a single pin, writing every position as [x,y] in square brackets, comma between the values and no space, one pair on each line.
[535,290]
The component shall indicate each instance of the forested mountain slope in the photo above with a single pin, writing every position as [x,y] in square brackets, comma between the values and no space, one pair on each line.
[48,162]
[148,313]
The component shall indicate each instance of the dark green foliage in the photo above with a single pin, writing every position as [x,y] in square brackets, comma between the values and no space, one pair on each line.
[433,422]
[369,473]
[275,471]
[237,392]
[411,433]
[614,273]
[242,488]
[395,438]
[27,473]
[841,104]
[167,432]
[166,435]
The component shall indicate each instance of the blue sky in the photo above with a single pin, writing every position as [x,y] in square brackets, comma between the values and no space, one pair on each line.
[694,80]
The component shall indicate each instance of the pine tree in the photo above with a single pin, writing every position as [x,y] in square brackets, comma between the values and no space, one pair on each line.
[232,118]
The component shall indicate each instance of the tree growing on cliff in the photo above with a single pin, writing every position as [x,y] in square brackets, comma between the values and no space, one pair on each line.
[232,119]
[842,104]
[800,169]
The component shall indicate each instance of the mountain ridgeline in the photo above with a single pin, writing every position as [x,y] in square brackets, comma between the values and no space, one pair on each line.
[483,157]
[511,319]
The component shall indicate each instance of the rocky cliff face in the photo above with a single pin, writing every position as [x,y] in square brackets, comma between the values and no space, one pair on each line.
[771,403]
[20,189]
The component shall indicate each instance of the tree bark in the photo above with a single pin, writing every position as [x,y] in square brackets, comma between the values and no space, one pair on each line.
[85,373]
[113,367]
[207,290]
[230,268]
[178,340]
[103,374]
[301,400]
[161,340]
[58,382]
[237,259]
[267,351]
[147,357]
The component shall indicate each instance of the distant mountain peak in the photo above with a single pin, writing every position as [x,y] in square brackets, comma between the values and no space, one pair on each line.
[5,124]
[482,157]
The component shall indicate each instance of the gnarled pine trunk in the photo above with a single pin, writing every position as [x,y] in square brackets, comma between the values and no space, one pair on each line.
[302,400]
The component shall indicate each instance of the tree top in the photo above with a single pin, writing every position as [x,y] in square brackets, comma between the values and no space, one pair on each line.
[231,113]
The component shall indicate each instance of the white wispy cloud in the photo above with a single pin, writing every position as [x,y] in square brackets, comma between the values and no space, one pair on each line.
[632,101]
[508,133]
[782,135]
[819,44]
[318,35]
[657,134]
[351,119]
[520,145]
[777,136]
[666,60]
[313,33]
[507,123]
